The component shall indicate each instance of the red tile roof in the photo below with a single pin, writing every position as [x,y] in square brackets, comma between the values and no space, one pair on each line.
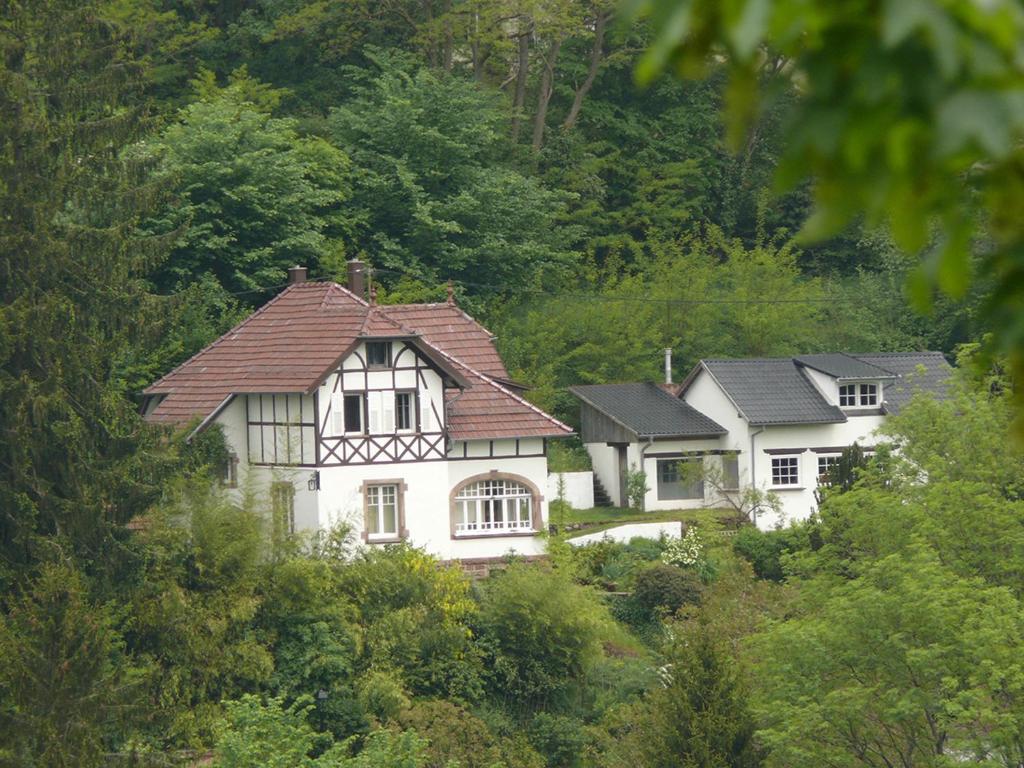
[448,327]
[298,337]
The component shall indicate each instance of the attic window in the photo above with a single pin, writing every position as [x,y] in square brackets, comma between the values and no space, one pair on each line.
[378,354]
[868,394]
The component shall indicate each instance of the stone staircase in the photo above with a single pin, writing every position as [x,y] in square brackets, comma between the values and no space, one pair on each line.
[601,497]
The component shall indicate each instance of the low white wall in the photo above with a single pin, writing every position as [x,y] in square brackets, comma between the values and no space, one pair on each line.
[578,488]
[624,533]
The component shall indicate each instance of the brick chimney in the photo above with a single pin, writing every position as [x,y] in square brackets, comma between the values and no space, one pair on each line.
[297,274]
[357,278]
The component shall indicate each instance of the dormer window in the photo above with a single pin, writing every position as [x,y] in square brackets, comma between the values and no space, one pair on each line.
[378,354]
[858,395]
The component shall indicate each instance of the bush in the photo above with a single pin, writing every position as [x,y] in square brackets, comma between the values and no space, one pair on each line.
[542,632]
[560,739]
[766,549]
[666,588]
[458,737]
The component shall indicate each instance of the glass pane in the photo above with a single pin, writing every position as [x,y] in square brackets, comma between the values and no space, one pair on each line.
[353,413]
[255,444]
[390,523]
[269,450]
[308,445]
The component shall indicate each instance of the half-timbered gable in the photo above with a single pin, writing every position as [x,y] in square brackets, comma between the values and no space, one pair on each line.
[399,421]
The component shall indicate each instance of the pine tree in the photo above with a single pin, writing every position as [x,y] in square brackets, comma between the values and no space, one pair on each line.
[70,278]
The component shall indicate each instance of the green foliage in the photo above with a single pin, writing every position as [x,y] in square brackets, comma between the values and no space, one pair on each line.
[432,196]
[666,588]
[700,717]
[74,465]
[193,604]
[873,141]
[66,684]
[415,616]
[636,487]
[253,197]
[271,735]
[456,736]
[765,550]
[908,661]
[542,634]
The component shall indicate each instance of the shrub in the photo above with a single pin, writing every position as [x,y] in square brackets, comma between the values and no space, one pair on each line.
[690,552]
[767,550]
[458,737]
[762,549]
[665,587]
[542,632]
[560,739]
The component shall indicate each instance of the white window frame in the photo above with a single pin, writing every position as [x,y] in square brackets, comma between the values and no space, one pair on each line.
[493,507]
[868,391]
[848,398]
[376,504]
[825,462]
[778,475]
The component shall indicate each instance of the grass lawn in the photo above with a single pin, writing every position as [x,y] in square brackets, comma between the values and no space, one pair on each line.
[601,518]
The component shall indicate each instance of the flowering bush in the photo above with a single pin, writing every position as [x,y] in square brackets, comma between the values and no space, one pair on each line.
[690,552]
[686,552]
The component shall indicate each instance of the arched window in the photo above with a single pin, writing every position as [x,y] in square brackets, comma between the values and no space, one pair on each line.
[495,506]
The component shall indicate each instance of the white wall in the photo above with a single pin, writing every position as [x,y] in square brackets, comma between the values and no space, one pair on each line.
[605,461]
[798,503]
[578,488]
[650,466]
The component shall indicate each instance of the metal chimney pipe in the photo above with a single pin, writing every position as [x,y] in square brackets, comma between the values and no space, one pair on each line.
[668,365]
[297,274]
[357,278]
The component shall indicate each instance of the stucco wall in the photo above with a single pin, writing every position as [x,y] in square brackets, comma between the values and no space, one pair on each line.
[604,459]
[798,503]
[578,488]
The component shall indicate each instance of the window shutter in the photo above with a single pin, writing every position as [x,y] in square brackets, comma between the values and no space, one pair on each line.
[373,398]
[338,412]
[388,400]
[426,415]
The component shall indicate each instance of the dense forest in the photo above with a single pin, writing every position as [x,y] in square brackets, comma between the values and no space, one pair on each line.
[164,161]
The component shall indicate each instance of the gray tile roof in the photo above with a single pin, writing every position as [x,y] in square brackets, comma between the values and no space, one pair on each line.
[910,378]
[843,366]
[773,391]
[648,410]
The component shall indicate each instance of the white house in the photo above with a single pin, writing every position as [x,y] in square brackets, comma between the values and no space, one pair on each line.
[399,420]
[774,424]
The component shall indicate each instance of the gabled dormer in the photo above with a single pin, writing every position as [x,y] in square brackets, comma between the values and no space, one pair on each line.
[855,386]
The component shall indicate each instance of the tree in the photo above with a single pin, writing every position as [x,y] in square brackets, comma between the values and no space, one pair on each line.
[542,633]
[874,142]
[700,717]
[72,298]
[67,683]
[253,197]
[433,197]
[906,664]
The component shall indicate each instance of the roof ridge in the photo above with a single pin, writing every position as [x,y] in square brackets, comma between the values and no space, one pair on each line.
[223,336]
[334,284]
[455,307]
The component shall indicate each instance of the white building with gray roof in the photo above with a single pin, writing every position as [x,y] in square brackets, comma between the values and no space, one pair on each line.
[775,424]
